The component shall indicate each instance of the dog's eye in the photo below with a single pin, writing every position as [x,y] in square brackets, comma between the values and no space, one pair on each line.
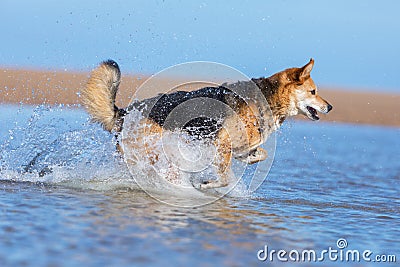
[312,92]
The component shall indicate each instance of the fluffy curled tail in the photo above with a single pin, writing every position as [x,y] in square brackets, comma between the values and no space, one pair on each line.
[98,97]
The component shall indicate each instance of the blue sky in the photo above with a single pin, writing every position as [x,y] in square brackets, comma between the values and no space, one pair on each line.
[356,44]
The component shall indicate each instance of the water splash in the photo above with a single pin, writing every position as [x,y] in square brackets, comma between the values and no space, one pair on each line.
[59,145]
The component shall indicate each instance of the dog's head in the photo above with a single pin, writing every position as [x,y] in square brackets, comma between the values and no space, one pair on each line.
[303,93]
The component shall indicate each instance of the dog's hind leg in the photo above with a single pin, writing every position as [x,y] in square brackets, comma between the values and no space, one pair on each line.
[30,167]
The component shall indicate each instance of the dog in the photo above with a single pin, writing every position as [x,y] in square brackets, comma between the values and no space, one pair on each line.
[237,127]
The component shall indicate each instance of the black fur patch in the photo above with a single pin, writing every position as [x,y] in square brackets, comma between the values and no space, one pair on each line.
[194,112]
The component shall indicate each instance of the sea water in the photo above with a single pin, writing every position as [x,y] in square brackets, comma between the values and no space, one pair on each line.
[331,187]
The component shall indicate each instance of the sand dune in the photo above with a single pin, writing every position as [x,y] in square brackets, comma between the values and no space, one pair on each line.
[57,87]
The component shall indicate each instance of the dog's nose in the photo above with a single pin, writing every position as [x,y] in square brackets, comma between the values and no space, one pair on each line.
[329,107]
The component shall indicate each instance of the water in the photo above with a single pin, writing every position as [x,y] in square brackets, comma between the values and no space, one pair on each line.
[328,181]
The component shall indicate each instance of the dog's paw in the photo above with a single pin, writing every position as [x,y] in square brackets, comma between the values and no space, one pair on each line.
[257,155]
[212,184]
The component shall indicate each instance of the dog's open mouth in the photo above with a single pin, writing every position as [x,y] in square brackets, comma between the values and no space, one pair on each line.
[312,113]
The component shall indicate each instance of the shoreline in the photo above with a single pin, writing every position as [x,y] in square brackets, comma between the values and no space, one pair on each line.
[33,87]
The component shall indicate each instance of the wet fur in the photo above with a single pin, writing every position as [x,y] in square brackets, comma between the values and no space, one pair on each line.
[98,97]
[288,93]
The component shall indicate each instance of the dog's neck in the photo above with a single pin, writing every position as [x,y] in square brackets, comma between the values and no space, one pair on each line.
[278,102]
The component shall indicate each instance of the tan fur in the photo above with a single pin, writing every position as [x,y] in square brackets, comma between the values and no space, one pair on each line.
[98,97]
[223,144]
[137,141]
[240,134]
[289,92]
[250,117]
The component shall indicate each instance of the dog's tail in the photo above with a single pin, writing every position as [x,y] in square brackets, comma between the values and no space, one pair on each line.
[99,96]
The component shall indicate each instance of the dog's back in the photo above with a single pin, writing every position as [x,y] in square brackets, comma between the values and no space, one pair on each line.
[206,108]
[200,113]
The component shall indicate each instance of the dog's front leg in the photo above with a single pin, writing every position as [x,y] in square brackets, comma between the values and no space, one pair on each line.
[222,162]
[224,172]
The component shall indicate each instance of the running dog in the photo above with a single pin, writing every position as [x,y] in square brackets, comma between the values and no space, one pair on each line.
[237,127]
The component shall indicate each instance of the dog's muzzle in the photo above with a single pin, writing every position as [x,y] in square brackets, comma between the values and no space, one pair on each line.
[312,113]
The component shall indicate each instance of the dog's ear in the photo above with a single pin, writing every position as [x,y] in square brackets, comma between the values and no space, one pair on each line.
[306,70]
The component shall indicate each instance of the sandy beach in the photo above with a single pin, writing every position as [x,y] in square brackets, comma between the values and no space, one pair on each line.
[60,87]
